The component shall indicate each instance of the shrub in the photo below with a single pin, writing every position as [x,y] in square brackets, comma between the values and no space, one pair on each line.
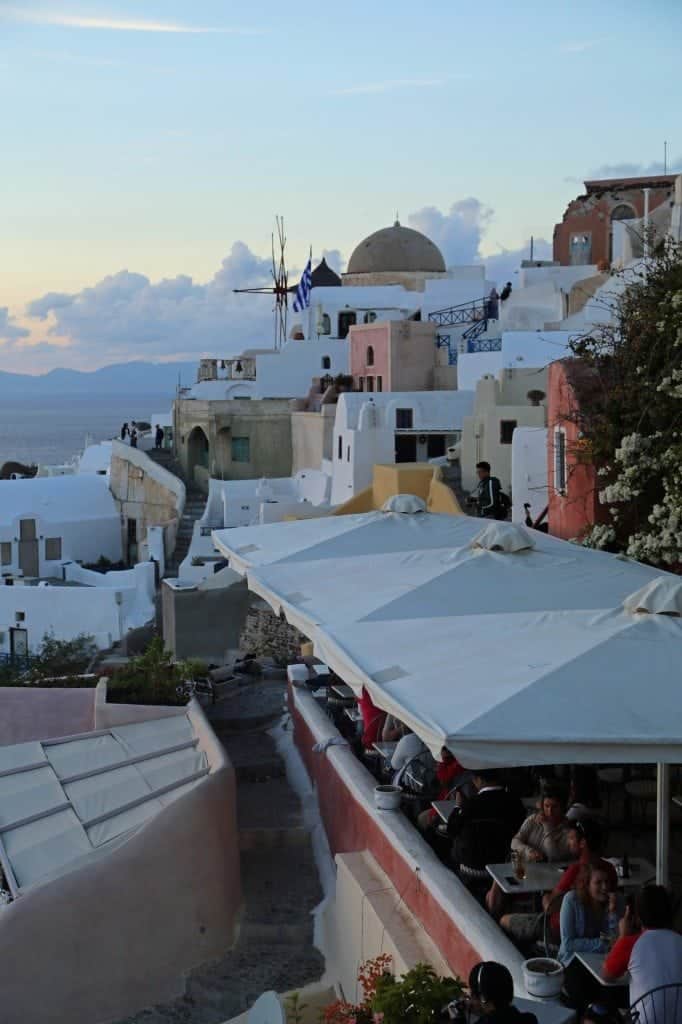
[152,678]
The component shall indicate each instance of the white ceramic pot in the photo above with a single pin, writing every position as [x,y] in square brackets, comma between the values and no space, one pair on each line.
[387,798]
[543,976]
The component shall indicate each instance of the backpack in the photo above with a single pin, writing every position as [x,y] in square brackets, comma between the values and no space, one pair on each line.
[503,506]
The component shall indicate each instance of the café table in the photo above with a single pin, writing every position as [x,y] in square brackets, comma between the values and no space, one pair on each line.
[641,872]
[540,877]
[594,963]
[444,808]
[343,691]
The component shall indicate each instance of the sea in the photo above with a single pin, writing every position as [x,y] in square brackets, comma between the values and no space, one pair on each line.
[50,430]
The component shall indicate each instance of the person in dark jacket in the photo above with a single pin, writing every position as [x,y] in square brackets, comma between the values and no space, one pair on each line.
[488,492]
[506,292]
[483,826]
[491,988]
[125,431]
[158,440]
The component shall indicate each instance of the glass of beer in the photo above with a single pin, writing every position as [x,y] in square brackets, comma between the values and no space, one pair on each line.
[519,862]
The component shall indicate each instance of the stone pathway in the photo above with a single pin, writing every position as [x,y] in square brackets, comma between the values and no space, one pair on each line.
[280,882]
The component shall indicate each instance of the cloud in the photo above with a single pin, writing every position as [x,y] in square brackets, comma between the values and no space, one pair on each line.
[633,170]
[63,20]
[457,233]
[125,315]
[335,259]
[10,331]
[502,265]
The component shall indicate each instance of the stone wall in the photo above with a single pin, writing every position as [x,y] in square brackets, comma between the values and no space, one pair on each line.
[312,435]
[147,493]
[266,635]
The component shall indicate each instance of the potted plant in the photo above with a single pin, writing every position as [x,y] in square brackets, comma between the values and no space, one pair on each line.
[418,997]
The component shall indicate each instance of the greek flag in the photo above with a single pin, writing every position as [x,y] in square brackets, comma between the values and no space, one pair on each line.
[302,299]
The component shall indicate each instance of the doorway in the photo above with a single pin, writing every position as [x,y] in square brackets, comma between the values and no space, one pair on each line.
[18,644]
[29,562]
[405,447]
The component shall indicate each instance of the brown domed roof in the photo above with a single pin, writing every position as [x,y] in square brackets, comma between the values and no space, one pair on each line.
[396,250]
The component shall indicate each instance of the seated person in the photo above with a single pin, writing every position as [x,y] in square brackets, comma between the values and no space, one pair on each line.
[584,919]
[651,951]
[392,729]
[544,835]
[448,769]
[408,747]
[372,719]
[483,825]
[583,794]
[491,989]
[584,913]
[585,844]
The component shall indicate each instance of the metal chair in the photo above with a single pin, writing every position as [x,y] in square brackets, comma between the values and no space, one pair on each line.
[662,1005]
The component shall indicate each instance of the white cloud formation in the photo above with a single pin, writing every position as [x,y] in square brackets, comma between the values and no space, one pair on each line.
[126,316]
[634,170]
[64,20]
[9,330]
[459,234]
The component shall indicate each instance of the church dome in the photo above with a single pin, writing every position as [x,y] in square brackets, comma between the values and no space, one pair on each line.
[396,250]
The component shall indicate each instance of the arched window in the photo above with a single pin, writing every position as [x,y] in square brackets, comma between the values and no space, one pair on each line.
[370,355]
[325,325]
[326,363]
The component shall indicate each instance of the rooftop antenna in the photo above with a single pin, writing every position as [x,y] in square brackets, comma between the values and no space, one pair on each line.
[280,286]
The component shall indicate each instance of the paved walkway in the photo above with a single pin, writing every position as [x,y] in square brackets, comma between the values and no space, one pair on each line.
[279,877]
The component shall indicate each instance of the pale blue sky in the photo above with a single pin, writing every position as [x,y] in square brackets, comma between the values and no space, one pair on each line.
[129,146]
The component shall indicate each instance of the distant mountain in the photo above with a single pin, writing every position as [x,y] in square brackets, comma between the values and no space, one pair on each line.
[120,378]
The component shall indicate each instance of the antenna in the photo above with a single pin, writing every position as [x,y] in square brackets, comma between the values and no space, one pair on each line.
[665,157]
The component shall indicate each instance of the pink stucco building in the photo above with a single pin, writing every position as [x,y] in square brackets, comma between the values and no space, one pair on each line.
[394,355]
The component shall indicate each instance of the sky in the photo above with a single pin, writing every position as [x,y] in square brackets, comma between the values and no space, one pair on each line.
[147,146]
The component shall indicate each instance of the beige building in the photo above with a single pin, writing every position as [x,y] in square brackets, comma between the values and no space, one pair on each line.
[502,403]
[237,439]
[148,497]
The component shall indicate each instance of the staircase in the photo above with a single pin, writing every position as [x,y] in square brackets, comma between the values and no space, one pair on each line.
[195,504]
[280,881]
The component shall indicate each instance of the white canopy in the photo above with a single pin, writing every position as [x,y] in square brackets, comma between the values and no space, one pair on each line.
[508,657]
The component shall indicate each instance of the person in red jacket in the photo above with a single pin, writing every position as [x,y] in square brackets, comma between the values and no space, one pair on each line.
[372,720]
[447,770]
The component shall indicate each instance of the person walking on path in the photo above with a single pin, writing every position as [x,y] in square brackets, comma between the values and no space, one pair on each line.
[158,441]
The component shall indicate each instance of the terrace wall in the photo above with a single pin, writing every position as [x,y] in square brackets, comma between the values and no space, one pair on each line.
[451,917]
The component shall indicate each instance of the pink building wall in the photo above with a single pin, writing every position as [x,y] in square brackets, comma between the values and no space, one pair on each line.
[378,338]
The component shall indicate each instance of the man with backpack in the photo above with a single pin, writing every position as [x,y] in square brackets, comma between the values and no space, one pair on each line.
[492,502]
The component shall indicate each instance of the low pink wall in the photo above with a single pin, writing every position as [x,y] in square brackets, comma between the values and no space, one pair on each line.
[44,713]
[352,826]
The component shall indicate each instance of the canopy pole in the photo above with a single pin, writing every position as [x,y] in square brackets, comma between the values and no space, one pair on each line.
[662,824]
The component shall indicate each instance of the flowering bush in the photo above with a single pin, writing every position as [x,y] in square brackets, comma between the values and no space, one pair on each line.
[634,419]
[418,997]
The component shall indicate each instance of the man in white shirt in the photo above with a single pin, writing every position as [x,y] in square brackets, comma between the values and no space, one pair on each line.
[656,958]
[407,748]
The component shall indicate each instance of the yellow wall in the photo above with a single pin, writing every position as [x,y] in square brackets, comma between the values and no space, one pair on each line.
[405,478]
